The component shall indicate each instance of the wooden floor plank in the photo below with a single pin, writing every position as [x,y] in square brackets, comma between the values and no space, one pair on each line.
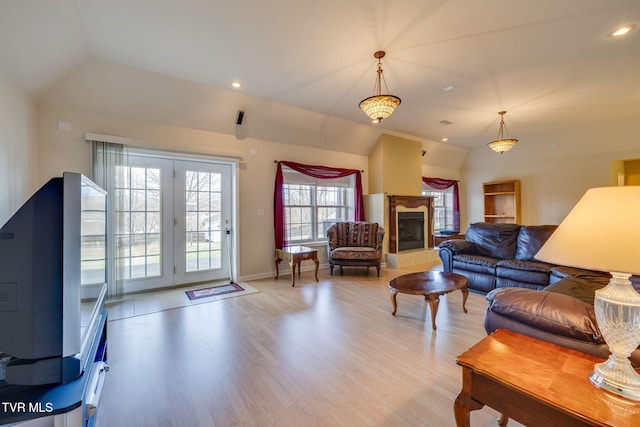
[318,354]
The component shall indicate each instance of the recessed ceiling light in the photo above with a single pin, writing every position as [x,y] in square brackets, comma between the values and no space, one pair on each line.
[446,122]
[445,139]
[448,88]
[236,84]
[623,30]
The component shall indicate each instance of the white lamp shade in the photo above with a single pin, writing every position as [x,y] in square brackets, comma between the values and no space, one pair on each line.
[602,232]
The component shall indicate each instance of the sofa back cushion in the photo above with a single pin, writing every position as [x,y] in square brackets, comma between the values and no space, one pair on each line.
[494,240]
[356,234]
[530,240]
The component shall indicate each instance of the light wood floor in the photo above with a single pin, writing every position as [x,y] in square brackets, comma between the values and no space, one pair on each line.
[325,354]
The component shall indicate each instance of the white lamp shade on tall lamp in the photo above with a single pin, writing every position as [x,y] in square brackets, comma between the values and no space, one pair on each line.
[602,232]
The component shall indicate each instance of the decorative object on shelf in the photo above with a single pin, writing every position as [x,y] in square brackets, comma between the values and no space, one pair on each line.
[585,239]
[502,144]
[379,106]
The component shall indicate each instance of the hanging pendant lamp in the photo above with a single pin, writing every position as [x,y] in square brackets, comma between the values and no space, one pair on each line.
[502,144]
[379,106]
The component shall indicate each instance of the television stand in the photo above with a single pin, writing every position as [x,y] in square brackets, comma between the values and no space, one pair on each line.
[72,404]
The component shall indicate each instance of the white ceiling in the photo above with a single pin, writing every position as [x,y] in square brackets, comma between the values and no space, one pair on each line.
[549,63]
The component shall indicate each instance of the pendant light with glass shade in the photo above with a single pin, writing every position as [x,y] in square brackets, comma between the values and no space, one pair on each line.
[379,106]
[502,144]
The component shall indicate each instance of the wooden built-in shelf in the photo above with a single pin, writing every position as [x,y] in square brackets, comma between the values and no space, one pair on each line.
[502,202]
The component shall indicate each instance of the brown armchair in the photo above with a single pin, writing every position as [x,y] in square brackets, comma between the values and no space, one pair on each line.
[355,244]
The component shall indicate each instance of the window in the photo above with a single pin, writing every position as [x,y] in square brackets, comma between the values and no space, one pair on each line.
[312,205]
[442,207]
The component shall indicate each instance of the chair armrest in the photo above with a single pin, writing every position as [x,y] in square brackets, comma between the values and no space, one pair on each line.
[379,238]
[332,237]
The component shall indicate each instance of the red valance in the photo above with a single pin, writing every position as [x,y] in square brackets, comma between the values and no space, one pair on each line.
[443,184]
[320,172]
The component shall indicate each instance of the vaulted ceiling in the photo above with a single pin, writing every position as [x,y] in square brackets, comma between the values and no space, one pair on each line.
[549,63]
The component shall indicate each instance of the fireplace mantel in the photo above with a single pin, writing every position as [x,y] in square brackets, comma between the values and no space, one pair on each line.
[409,202]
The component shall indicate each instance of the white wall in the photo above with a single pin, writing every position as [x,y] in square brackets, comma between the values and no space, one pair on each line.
[554,172]
[17,147]
[103,97]
[67,151]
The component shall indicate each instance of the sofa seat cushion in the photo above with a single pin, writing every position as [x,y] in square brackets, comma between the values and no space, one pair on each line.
[552,312]
[477,263]
[584,290]
[533,266]
[560,272]
[536,273]
[355,253]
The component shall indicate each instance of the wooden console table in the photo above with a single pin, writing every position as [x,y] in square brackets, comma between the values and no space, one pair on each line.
[296,254]
[537,384]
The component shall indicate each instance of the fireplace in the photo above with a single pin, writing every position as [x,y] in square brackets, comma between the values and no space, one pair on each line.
[409,222]
[410,230]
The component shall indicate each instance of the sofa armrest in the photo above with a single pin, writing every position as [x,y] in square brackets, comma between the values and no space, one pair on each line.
[551,312]
[449,248]
[457,246]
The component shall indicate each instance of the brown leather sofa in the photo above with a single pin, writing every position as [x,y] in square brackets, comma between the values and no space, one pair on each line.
[503,255]
[562,313]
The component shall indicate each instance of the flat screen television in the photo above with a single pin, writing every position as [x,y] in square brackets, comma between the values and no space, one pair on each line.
[52,254]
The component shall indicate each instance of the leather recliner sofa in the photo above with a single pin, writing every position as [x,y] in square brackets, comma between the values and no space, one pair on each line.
[503,255]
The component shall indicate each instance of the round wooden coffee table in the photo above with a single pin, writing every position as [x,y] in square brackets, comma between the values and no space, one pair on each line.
[430,284]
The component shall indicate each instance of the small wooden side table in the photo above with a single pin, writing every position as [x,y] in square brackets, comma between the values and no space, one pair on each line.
[438,238]
[296,254]
[537,384]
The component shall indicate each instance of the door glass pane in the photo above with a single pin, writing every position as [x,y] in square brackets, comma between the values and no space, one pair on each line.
[203,225]
[138,221]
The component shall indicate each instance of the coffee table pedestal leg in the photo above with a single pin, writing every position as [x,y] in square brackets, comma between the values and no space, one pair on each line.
[465,295]
[434,302]
[394,302]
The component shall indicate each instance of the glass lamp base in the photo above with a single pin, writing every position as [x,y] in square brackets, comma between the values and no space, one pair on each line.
[600,381]
[617,309]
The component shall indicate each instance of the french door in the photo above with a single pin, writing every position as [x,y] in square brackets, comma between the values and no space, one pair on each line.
[173,221]
[202,221]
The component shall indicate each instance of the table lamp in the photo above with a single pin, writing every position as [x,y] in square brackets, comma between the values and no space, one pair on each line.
[602,232]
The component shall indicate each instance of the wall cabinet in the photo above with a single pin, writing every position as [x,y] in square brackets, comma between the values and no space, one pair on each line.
[502,202]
